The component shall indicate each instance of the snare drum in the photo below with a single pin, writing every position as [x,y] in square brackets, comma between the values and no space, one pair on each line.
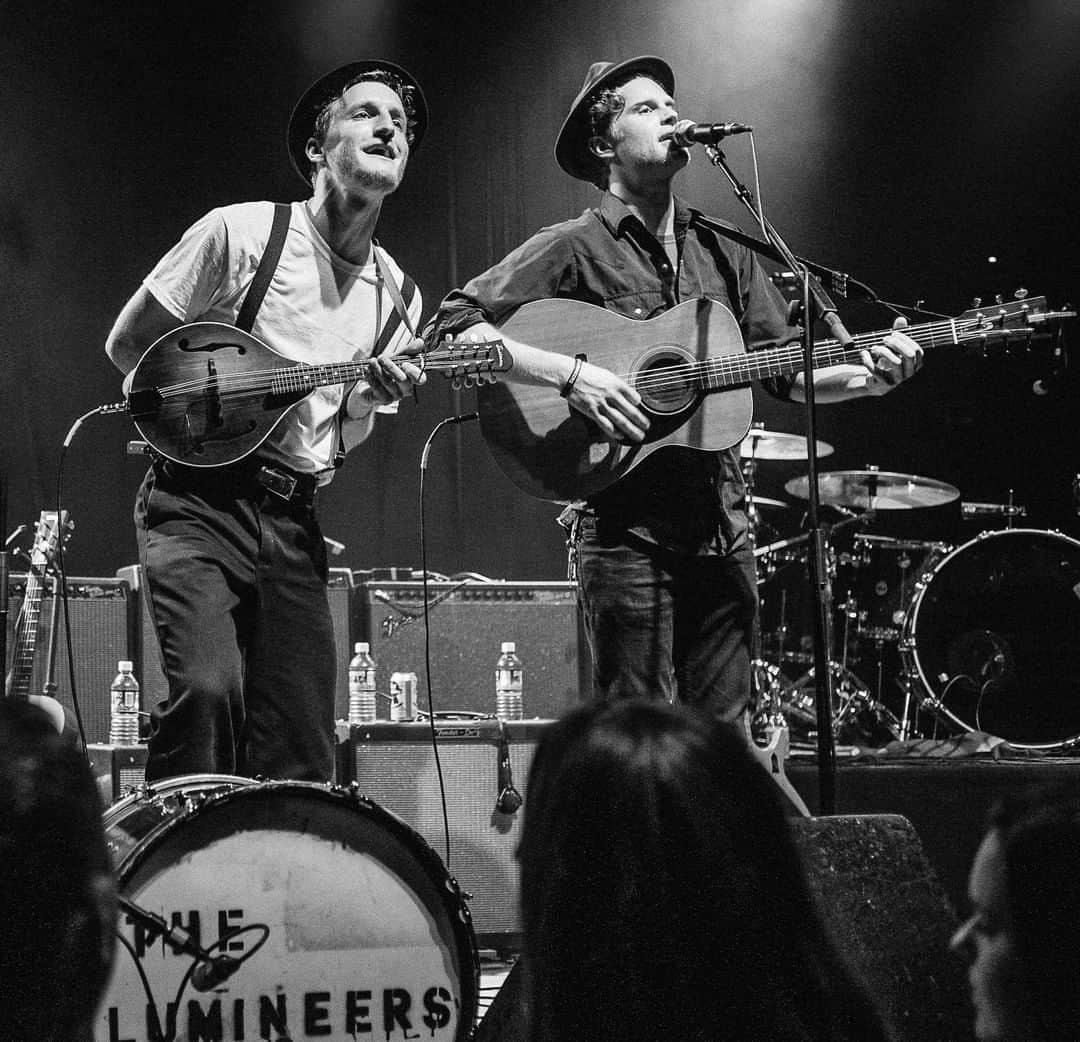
[345,921]
[993,638]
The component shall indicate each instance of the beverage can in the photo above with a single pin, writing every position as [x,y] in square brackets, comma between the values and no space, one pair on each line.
[403,696]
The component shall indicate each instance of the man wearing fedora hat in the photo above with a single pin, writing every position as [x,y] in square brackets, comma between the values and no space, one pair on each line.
[665,573]
[234,562]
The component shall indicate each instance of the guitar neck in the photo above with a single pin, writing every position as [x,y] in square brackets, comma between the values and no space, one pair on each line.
[304,378]
[738,369]
[22,659]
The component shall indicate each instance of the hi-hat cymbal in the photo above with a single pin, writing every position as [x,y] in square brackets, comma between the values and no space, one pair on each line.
[877,489]
[776,445]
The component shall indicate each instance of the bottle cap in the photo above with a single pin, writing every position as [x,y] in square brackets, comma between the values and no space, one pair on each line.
[508,645]
[124,666]
[361,647]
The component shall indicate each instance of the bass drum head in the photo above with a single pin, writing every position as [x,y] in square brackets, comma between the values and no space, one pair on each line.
[994,637]
[345,921]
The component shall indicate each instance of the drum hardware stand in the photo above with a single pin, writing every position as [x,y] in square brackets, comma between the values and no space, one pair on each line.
[765,701]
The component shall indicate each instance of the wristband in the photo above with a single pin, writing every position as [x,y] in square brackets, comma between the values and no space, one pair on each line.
[571,379]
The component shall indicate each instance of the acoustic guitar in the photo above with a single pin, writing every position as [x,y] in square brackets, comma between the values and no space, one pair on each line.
[208,394]
[693,373]
[50,530]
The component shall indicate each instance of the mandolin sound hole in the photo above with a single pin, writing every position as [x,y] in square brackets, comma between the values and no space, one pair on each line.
[667,380]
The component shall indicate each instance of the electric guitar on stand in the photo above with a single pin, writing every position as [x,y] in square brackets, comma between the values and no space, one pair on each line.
[51,530]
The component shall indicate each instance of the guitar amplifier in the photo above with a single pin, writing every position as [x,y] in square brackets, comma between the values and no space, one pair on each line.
[151,673]
[394,764]
[469,620]
[103,631]
[116,768]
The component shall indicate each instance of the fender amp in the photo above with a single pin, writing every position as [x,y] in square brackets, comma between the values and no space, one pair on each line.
[103,631]
[469,619]
[485,768]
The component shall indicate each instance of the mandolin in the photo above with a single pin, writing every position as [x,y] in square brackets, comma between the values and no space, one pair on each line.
[208,394]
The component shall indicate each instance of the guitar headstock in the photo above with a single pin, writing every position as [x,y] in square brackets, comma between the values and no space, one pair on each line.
[51,530]
[469,361]
[1019,320]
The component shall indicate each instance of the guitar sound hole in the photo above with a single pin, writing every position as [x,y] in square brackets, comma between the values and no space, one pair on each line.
[667,381]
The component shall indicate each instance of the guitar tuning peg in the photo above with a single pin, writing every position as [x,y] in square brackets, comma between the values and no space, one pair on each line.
[455,382]
[976,302]
[1021,294]
[998,298]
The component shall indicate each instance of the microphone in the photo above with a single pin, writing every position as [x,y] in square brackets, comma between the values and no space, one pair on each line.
[210,970]
[509,800]
[463,418]
[687,132]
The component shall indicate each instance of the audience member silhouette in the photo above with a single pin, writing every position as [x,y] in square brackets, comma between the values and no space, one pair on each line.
[57,899]
[662,895]
[1020,939]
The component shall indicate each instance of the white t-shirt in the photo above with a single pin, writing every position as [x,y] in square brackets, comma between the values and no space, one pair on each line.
[318,308]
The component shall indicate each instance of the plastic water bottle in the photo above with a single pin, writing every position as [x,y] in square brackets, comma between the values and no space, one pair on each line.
[124,706]
[362,685]
[508,703]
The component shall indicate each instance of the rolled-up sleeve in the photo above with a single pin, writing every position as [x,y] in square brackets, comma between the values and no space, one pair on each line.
[543,266]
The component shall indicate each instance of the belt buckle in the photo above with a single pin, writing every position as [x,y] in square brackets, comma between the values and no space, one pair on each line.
[283,485]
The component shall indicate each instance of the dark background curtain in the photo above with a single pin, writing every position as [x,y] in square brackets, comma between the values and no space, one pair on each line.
[905,142]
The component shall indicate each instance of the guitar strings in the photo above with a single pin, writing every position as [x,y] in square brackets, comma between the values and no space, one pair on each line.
[727,368]
[255,381]
[785,359]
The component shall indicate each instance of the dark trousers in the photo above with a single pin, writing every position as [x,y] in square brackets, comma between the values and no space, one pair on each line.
[662,625]
[236,581]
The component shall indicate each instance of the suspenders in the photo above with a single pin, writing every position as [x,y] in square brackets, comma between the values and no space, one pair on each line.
[401,296]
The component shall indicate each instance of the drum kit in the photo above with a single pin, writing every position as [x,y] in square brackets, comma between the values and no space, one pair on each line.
[981,636]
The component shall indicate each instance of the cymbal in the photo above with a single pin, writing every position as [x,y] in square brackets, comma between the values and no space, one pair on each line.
[776,445]
[877,489]
[766,501]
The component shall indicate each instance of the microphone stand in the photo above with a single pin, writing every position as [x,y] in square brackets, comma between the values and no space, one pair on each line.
[819,576]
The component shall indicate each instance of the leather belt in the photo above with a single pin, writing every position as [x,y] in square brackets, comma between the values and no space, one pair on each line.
[288,485]
[249,477]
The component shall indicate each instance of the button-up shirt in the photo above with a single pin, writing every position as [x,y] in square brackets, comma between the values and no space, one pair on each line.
[683,499]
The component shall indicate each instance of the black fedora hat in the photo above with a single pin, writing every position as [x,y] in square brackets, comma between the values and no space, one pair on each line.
[307,109]
[572,145]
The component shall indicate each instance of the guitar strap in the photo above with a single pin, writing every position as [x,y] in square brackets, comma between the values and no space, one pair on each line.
[253,299]
[401,296]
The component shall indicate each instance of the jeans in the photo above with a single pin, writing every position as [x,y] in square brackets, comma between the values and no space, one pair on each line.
[663,625]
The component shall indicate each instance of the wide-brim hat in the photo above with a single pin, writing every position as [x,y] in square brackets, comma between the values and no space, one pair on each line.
[572,145]
[312,101]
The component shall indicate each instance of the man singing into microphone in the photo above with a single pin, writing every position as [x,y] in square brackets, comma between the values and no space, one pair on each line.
[665,573]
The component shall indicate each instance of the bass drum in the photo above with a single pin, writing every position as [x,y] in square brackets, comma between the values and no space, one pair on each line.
[344,921]
[993,638]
